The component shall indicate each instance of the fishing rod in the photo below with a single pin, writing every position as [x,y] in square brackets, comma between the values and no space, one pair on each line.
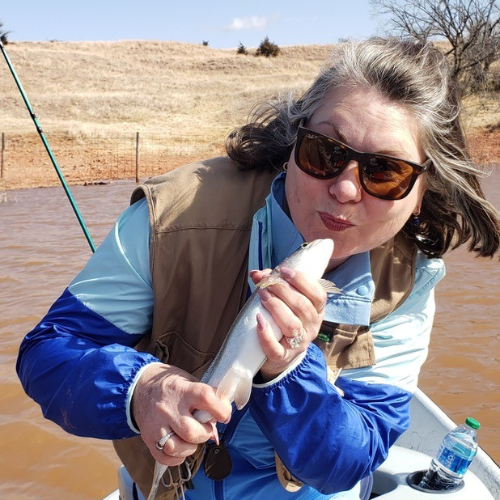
[49,151]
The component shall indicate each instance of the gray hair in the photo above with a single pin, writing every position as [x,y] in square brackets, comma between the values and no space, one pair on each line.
[418,78]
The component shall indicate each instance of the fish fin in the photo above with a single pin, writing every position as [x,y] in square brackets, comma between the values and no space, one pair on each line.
[329,286]
[236,385]
[270,280]
[243,393]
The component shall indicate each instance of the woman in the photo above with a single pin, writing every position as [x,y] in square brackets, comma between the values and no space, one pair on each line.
[373,157]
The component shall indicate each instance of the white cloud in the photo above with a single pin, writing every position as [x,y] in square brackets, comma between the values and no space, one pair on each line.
[247,23]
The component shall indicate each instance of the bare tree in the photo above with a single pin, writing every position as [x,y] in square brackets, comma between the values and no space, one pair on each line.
[471,27]
[3,34]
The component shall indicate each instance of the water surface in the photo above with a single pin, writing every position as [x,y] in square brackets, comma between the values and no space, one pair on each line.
[42,248]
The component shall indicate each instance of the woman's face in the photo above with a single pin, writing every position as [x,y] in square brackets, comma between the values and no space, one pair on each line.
[338,208]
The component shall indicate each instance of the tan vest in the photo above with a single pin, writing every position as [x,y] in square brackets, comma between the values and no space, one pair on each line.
[201,220]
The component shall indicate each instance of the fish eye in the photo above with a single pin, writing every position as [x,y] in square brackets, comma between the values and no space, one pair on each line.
[305,245]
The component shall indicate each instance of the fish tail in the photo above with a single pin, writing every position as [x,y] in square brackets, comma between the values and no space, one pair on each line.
[159,471]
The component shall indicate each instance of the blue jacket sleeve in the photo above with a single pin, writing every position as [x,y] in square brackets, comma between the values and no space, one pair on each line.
[326,440]
[80,383]
[78,363]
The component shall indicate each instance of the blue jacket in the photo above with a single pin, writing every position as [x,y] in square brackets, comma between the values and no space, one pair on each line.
[107,308]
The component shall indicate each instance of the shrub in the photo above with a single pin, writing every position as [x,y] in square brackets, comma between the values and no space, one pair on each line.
[205,43]
[3,35]
[242,49]
[267,48]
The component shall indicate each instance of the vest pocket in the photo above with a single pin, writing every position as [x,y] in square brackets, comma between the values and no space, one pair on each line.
[346,346]
[171,348]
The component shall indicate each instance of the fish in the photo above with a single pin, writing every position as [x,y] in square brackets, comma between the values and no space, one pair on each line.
[241,356]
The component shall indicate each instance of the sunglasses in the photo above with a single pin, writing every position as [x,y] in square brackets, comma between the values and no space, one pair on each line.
[380,175]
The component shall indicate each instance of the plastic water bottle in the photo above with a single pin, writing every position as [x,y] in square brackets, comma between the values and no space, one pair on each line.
[453,458]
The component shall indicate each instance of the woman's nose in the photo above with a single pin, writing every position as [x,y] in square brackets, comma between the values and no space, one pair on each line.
[346,187]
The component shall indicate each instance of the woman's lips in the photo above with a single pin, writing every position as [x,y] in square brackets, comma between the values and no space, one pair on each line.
[333,224]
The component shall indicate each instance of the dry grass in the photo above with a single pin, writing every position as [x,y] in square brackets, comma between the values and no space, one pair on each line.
[170,88]
[154,86]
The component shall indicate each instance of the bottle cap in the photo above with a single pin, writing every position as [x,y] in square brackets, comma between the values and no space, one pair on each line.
[472,423]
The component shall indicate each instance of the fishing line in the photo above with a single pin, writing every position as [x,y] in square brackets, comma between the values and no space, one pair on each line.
[49,151]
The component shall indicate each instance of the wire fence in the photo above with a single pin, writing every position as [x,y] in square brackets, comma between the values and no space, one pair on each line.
[91,158]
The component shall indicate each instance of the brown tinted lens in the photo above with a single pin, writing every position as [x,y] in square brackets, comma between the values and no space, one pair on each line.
[386,177]
[320,157]
[381,176]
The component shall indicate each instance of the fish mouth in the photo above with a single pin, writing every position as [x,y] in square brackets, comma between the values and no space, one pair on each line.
[333,223]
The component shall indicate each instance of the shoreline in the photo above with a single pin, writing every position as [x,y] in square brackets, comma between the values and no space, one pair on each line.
[26,164]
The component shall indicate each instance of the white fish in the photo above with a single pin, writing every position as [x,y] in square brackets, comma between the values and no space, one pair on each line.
[241,355]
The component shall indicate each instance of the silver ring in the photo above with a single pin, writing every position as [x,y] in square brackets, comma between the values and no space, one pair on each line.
[294,342]
[160,444]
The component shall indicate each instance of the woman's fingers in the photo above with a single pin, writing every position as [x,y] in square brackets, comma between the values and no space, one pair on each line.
[173,451]
[280,355]
[282,312]
[163,403]
[297,307]
[311,289]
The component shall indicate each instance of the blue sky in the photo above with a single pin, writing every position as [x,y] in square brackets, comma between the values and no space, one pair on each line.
[223,23]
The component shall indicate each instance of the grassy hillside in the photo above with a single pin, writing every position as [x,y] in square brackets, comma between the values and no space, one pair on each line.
[167,88]
[152,86]
[131,84]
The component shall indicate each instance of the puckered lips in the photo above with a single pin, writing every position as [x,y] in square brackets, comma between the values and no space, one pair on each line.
[334,223]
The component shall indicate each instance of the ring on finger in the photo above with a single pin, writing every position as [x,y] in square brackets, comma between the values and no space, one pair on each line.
[160,444]
[295,342]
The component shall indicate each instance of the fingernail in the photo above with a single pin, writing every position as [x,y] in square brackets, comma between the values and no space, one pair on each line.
[287,273]
[264,294]
[253,273]
[261,322]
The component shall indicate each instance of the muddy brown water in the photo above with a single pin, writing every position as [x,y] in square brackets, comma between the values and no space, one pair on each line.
[42,248]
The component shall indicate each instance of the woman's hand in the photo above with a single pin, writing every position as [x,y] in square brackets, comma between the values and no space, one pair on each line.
[298,307]
[164,400]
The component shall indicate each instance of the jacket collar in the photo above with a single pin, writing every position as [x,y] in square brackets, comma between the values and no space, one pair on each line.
[274,237]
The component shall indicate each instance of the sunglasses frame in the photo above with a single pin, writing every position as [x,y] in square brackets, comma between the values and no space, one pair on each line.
[362,160]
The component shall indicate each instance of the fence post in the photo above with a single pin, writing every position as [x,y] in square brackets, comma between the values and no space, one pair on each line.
[137,158]
[1,160]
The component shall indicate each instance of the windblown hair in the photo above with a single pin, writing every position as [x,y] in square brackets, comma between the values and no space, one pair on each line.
[417,77]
